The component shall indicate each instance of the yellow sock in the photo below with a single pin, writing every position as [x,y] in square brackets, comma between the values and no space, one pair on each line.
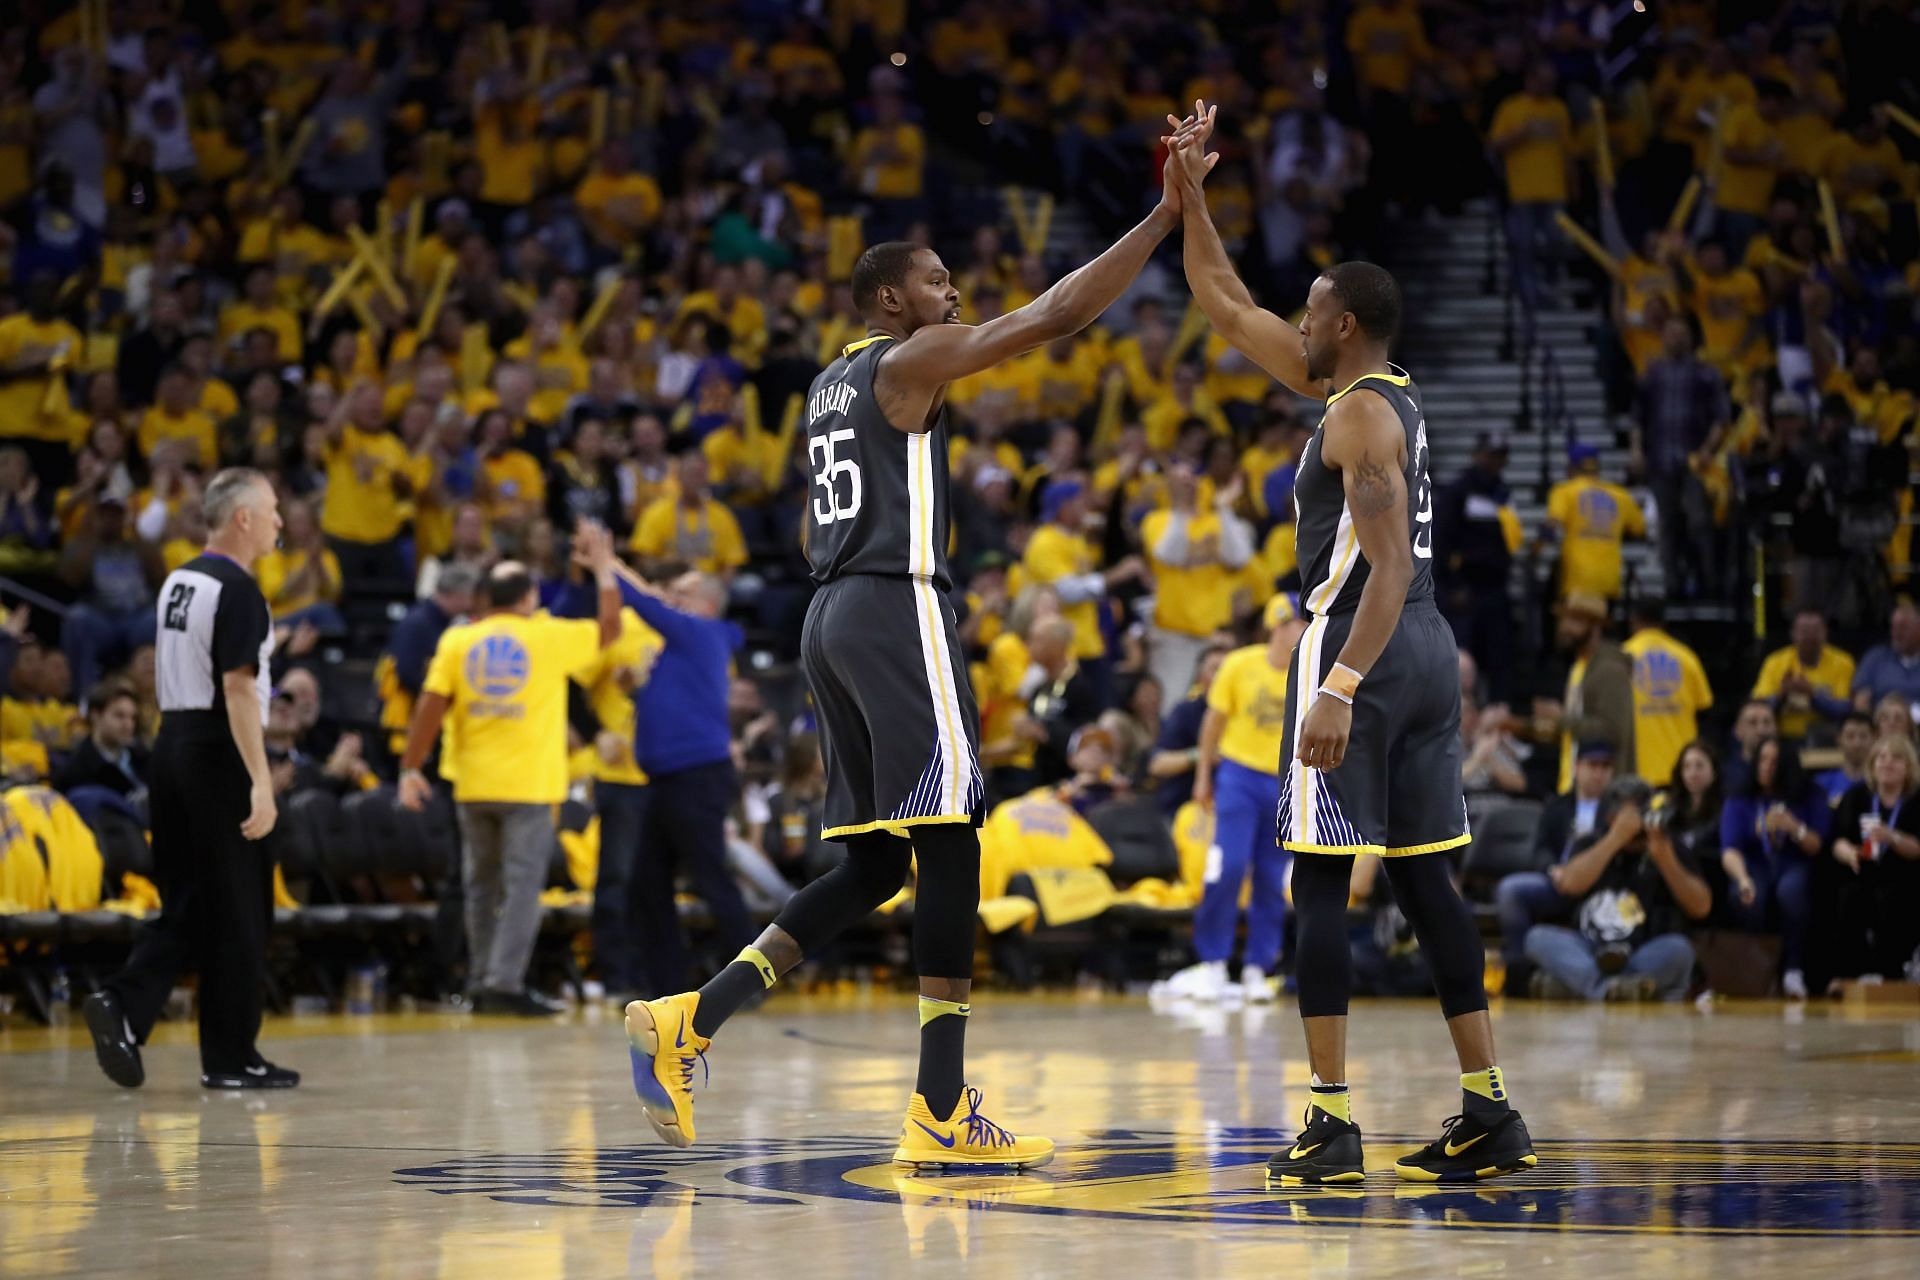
[931,1009]
[1334,1099]
[752,956]
[1487,1088]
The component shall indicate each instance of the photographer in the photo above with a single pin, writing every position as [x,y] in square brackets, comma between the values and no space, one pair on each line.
[1636,891]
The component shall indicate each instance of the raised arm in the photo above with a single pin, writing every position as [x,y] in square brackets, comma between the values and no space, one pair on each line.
[1255,332]
[934,355]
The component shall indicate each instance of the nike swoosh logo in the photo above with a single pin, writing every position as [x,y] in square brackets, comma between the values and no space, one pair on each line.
[1452,1150]
[945,1142]
[256,1071]
[1301,1153]
[680,1037]
[766,971]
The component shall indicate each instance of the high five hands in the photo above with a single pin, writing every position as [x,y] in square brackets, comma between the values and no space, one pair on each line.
[1189,133]
[1188,161]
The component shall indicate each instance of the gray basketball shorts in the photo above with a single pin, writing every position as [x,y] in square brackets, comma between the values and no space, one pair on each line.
[1397,791]
[899,731]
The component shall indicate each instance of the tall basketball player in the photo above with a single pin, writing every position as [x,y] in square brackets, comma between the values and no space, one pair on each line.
[898,725]
[1370,759]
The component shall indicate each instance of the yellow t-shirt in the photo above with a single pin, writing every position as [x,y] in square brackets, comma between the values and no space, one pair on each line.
[1052,554]
[615,208]
[636,646]
[514,481]
[560,372]
[277,567]
[708,539]
[35,408]
[1699,96]
[175,552]
[1196,600]
[1231,377]
[1595,515]
[1537,168]
[1252,695]
[239,318]
[368,510]
[746,320]
[1725,308]
[506,679]
[1745,188]
[193,426]
[47,722]
[217,400]
[1670,690]
[899,178]
[1163,417]
[1833,676]
[1385,46]
[996,683]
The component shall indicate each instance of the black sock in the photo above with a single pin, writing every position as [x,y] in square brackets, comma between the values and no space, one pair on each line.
[746,977]
[943,1055]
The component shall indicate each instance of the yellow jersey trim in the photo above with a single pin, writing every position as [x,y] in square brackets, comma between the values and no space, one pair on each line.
[1407,850]
[852,347]
[1350,850]
[893,826]
[1397,379]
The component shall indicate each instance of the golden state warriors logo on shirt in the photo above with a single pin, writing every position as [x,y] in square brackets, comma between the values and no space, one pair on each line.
[1215,1182]
[497,669]
[1656,678]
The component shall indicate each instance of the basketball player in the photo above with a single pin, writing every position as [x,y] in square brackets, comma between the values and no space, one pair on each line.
[1371,752]
[898,726]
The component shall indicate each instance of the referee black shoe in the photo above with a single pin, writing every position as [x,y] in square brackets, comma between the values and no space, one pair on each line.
[113,1043]
[1471,1151]
[260,1074]
[1327,1153]
[520,1004]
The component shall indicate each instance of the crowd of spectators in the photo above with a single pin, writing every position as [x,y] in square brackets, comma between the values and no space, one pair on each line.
[457,284]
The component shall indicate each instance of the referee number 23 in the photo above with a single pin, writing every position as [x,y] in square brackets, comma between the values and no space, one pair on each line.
[839,478]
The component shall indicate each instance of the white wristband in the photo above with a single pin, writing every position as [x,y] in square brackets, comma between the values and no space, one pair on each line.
[1335,693]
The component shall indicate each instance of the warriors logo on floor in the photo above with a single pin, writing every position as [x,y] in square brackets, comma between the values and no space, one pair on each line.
[1668,1188]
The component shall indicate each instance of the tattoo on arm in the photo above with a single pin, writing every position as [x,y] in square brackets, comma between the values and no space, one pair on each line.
[1372,493]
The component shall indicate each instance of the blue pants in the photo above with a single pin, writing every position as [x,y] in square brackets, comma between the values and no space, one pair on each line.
[1568,956]
[1525,899]
[685,830]
[616,939]
[1782,899]
[1244,802]
[322,617]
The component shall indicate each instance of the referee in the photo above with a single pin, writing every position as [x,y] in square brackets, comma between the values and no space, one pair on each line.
[212,798]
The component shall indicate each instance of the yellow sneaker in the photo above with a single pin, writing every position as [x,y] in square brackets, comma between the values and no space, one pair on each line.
[664,1050]
[965,1138]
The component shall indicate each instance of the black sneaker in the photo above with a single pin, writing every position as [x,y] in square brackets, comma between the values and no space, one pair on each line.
[1327,1153]
[261,1075]
[113,1043]
[1469,1151]
[518,1004]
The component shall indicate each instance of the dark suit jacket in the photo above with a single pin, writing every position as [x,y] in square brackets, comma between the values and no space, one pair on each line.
[86,767]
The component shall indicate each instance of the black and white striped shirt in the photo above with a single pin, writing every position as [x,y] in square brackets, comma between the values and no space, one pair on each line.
[212,619]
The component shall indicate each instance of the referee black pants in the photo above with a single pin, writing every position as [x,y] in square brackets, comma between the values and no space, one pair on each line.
[216,902]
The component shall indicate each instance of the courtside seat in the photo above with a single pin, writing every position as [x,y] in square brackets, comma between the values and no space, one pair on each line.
[310,827]
[1137,835]
[1502,844]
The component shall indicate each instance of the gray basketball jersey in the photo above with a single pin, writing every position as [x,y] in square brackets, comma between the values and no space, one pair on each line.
[1332,570]
[878,502]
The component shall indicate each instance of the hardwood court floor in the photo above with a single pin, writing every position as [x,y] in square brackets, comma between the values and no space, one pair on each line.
[1756,1141]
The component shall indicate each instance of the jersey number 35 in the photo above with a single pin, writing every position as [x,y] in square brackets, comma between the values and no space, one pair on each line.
[827,476]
